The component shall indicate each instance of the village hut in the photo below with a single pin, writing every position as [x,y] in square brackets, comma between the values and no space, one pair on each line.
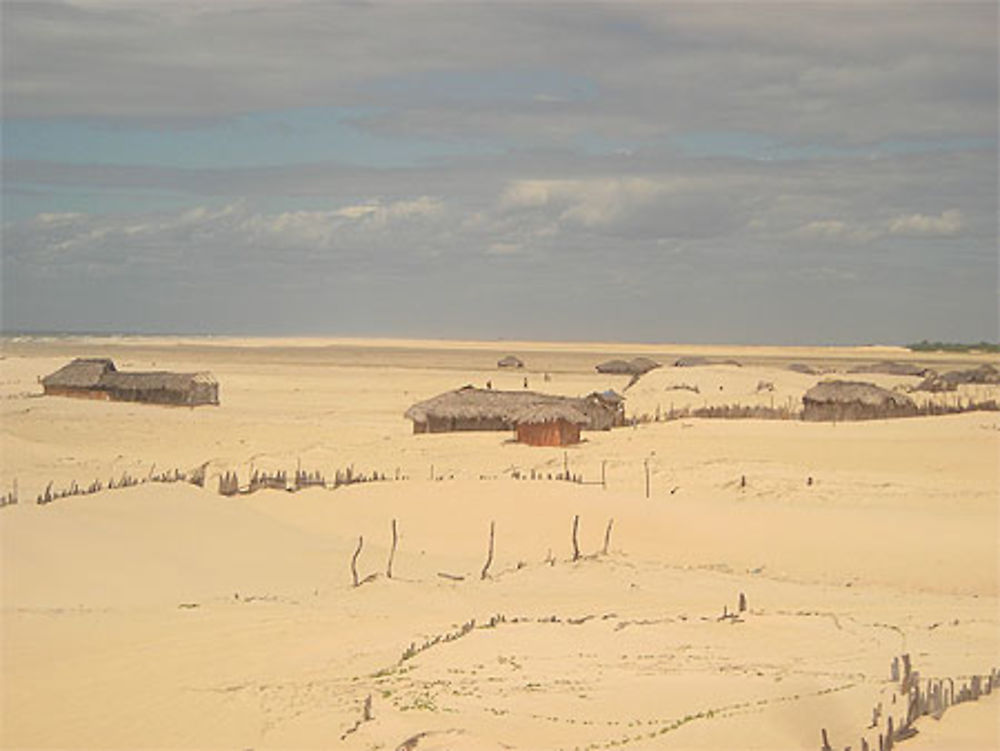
[182,389]
[633,367]
[890,367]
[695,361]
[854,400]
[80,378]
[471,408]
[604,409]
[801,367]
[554,424]
[510,362]
[97,378]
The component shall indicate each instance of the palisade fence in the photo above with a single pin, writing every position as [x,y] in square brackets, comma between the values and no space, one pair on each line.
[913,698]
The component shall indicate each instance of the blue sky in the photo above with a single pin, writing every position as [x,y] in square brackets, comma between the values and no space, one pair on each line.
[787,173]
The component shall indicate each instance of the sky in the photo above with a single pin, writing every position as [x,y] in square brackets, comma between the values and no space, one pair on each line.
[795,172]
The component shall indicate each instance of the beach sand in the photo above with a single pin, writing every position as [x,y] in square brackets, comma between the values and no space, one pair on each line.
[168,616]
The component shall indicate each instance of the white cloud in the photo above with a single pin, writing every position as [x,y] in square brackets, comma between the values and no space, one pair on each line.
[587,202]
[949,222]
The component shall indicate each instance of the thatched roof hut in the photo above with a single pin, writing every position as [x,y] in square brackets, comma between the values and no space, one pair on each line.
[801,367]
[549,424]
[160,387]
[854,400]
[890,367]
[470,408]
[97,378]
[510,362]
[983,374]
[635,366]
[79,377]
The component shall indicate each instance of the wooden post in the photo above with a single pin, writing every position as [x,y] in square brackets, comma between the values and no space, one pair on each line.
[566,465]
[392,551]
[645,463]
[576,546]
[826,743]
[489,554]
[607,536]
[604,484]
[743,602]
[354,560]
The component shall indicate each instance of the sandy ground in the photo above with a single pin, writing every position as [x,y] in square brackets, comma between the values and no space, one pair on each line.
[167,616]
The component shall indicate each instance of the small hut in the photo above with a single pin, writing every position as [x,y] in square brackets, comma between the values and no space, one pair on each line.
[80,378]
[97,378]
[891,367]
[854,400]
[633,367]
[510,362]
[184,389]
[549,425]
[470,408]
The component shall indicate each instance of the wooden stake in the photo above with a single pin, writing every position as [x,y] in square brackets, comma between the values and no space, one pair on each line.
[392,551]
[354,561]
[576,545]
[489,554]
[607,536]
[604,484]
[645,464]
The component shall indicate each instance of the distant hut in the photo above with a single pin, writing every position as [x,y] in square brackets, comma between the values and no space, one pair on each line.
[556,424]
[633,367]
[182,389]
[510,362]
[854,400]
[605,409]
[97,378]
[80,378]
[890,367]
[470,408]
[695,361]
[801,367]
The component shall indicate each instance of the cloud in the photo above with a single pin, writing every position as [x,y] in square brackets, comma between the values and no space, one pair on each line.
[589,203]
[949,222]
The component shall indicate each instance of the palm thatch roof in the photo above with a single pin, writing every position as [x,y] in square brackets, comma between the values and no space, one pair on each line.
[82,373]
[889,367]
[856,392]
[635,366]
[510,362]
[540,413]
[155,380]
[801,367]
[985,373]
[470,403]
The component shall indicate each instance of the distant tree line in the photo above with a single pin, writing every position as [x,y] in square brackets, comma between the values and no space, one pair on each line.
[926,346]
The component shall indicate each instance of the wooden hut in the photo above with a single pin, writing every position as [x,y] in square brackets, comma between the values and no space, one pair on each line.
[80,378]
[470,408]
[183,389]
[635,366]
[510,362]
[556,424]
[604,409]
[854,400]
[97,378]
[891,367]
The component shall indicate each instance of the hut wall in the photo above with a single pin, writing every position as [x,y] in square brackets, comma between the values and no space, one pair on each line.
[76,393]
[849,411]
[454,424]
[554,433]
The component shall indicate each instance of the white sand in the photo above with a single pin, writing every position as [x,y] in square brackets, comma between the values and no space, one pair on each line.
[168,616]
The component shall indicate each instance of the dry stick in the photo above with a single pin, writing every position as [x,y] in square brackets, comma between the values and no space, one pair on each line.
[392,551]
[489,555]
[354,560]
[645,463]
[607,535]
[576,545]
[604,484]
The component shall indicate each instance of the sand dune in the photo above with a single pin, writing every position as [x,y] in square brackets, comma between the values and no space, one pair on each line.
[165,615]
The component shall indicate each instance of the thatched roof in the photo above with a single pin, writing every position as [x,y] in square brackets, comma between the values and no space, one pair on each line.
[635,366]
[610,396]
[82,373]
[155,381]
[510,362]
[985,373]
[856,392]
[539,413]
[698,361]
[470,403]
[890,367]
[801,367]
